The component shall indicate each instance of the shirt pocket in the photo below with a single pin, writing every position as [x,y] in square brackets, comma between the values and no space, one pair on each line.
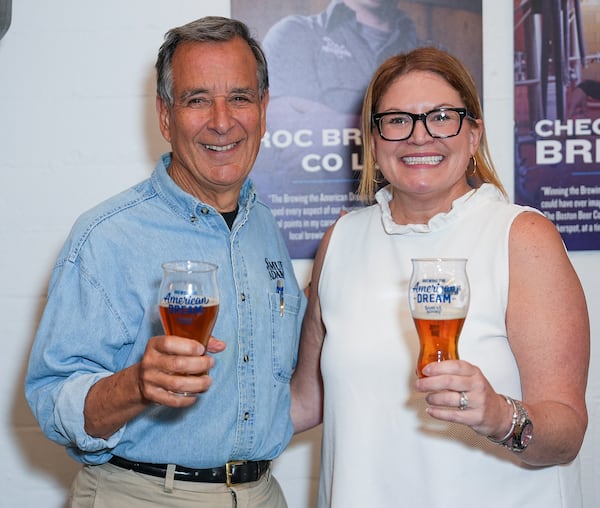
[285,335]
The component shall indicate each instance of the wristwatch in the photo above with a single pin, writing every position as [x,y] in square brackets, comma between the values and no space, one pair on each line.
[523,431]
[520,433]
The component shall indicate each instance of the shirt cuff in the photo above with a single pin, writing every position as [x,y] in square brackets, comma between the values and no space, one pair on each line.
[69,419]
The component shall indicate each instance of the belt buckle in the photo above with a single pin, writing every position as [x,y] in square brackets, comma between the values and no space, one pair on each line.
[229,470]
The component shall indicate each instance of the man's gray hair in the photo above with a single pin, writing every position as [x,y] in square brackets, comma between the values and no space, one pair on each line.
[208,29]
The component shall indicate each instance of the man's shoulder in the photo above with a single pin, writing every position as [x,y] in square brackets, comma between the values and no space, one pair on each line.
[261,208]
[305,25]
[119,202]
[109,210]
[293,26]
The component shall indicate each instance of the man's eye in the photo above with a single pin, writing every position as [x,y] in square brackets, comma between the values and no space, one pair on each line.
[240,99]
[197,102]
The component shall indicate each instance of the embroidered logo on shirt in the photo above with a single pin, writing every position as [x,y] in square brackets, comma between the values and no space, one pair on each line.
[275,269]
[337,50]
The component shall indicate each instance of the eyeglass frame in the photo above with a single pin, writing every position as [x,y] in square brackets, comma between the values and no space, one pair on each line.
[415,117]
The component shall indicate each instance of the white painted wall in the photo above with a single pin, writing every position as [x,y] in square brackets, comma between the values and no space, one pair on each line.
[77,124]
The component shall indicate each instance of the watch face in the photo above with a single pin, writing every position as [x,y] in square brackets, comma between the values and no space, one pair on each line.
[527,434]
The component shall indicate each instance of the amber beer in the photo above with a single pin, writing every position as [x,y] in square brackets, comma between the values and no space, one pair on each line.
[438,339]
[193,322]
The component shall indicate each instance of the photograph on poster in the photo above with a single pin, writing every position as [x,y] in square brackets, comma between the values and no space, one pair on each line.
[557,115]
[321,55]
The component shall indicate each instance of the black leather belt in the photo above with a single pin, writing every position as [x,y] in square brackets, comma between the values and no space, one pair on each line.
[238,471]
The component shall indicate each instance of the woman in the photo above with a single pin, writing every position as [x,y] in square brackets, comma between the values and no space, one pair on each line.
[503,425]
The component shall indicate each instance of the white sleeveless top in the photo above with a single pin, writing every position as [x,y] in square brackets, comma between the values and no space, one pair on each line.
[380,449]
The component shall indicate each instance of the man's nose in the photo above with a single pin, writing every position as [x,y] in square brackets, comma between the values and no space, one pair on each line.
[221,118]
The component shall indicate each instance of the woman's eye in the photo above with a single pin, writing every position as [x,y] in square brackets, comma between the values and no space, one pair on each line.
[398,120]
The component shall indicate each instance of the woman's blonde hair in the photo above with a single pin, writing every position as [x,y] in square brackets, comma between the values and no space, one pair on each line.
[428,59]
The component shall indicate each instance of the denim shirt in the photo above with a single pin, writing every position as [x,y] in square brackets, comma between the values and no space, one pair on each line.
[103,307]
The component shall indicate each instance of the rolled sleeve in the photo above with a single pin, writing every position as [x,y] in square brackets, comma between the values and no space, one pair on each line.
[68,420]
[69,356]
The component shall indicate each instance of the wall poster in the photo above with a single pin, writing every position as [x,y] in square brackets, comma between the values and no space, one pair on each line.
[321,56]
[557,115]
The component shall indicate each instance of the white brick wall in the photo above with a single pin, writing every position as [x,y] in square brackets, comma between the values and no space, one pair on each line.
[77,124]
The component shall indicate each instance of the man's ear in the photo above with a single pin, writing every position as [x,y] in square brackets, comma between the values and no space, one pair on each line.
[164,119]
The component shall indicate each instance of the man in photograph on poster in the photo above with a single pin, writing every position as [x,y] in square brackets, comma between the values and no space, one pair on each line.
[319,68]
[329,58]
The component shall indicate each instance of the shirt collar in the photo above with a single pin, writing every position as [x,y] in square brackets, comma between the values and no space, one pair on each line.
[187,205]
[460,206]
[338,13]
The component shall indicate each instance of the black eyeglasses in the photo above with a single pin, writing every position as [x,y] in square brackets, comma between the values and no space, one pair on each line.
[439,123]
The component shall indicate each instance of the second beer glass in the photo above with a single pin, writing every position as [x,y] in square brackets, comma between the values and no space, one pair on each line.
[439,300]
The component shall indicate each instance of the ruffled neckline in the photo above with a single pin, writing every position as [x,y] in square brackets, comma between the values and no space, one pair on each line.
[459,207]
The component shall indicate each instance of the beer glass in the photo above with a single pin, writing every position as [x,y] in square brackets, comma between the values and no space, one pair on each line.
[439,300]
[189,299]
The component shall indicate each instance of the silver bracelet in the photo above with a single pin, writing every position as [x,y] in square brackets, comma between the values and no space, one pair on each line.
[515,419]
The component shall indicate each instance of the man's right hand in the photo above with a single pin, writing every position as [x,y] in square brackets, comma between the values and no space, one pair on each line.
[173,369]
[170,365]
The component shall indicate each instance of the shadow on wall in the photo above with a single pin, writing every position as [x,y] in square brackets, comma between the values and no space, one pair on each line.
[155,142]
[43,458]
[5,16]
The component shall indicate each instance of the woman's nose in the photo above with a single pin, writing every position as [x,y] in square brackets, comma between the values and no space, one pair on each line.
[420,133]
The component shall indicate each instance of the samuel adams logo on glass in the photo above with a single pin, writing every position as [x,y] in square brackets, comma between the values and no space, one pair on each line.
[439,300]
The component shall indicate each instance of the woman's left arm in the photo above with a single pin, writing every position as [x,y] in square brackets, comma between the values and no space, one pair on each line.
[548,330]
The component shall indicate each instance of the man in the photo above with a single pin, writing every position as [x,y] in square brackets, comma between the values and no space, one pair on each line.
[329,58]
[320,68]
[103,380]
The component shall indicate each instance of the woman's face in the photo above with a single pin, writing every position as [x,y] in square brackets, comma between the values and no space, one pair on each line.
[422,165]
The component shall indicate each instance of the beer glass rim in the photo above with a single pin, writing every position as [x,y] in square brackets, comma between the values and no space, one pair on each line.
[189,266]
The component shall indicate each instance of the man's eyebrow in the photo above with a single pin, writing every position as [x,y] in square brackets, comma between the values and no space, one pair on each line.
[205,91]
[186,94]
[246,91]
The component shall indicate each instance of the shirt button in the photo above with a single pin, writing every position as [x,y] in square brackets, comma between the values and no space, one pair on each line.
[204,211]
[246,416]
[246,358]
[243,297]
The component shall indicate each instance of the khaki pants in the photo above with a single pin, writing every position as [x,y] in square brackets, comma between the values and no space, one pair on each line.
[109,486]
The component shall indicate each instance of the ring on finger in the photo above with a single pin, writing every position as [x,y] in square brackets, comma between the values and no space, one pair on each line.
[463,402]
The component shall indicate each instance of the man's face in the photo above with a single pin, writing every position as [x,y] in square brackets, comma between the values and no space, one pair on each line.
[217,120]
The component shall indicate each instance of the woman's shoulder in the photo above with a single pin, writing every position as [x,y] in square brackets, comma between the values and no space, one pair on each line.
[532,227]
